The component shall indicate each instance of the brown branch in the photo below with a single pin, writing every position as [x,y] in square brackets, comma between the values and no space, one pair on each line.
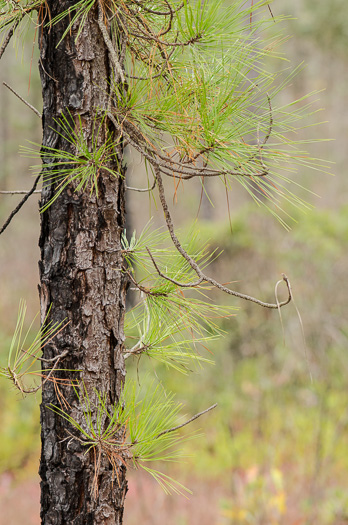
[146,291]
[160,13]
[195,266]
[177,283]
[206,172]
[46,378]
[141,189]
[17,192]
[270,10]
[186,422]
[8,37]
[167,165]
[19,206]
[136,351]
[23,100]
[109,44]
[153,38]
[171,16]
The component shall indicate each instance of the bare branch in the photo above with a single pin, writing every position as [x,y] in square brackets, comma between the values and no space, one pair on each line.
[186,422]
[137,351]
[167,165]
[17,192]
[177,283]
[169,26]
[46,378]
[15,377]
[109,45]
[195,266]
[53,359]
[160,13]
[8,37]
[17,208]
[23,100]
[153,38]
[141,189]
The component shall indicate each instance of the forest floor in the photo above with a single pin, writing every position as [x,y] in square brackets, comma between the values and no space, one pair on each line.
[147,503]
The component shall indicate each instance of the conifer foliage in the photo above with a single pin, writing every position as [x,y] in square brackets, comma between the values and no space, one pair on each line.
[186,85]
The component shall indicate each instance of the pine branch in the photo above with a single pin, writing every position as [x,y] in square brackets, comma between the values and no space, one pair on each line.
[186,422]
[23,100]
[195,266]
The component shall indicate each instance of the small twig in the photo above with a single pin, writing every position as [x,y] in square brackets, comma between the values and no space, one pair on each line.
[8,38]
[136,350]
[196,267]
[19,206]
[153,38]
[159,13]
[186,422]
[142,189]
[23,100]
[143,289]
[108,42]
[177,283]
[45,378]
[52,359]
[17,192]
[169,26]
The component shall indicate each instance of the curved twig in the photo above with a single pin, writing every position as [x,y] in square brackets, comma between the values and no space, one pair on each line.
[167,165]
[143,289]
[171,16]
[56,361]
[197,269]
[157,75]
[177,283]
[142,190]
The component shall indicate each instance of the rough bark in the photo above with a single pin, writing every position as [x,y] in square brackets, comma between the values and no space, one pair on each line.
[80,279]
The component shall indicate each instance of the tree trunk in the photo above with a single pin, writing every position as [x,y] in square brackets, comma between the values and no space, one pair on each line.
[80,279]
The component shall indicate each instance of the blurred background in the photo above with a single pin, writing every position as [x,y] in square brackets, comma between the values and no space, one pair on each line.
[275,449]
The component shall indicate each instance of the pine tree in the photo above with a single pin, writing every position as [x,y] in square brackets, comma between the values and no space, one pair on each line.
[185,84]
